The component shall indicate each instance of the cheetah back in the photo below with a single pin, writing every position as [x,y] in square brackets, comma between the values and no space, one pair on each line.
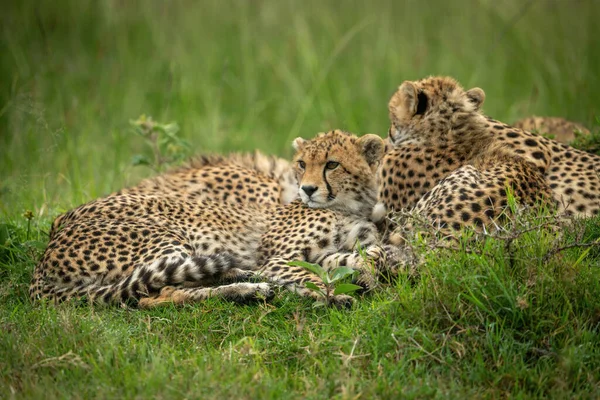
[438,129]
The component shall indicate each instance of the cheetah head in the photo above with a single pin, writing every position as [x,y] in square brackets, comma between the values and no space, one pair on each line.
[337,170]
[426,111]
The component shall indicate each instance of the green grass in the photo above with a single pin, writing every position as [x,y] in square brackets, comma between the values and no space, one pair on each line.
[520,321]
[244,75]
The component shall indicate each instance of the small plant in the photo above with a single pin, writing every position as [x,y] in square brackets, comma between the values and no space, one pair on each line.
[28,215]
[334,281]
[167,147]
[18,246]
[589,143]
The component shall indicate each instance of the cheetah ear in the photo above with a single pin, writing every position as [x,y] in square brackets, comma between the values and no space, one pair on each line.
[477,97]
[372,148]
[407,101]
[298,143]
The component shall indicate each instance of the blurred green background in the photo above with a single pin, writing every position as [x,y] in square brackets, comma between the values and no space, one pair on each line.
[239,75]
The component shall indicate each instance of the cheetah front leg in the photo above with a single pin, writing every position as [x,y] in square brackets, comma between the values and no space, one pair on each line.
[360,250]
[374,261]
[367,263]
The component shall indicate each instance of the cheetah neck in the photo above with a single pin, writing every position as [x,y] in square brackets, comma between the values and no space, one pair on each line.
[468,136]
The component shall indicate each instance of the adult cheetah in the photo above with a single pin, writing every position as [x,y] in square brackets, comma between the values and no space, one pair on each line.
[453,164]
[150,249]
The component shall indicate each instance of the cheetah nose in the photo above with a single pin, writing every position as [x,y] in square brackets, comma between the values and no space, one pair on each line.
[309,189]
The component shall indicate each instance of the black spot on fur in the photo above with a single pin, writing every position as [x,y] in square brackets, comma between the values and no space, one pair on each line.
[531,142]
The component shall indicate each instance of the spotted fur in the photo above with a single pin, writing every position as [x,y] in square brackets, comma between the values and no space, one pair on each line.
[453,163]
[240,178]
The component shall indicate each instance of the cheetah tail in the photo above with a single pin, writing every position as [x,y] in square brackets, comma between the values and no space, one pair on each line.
[142,282]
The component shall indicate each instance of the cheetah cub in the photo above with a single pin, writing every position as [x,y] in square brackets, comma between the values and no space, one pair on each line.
[148,249]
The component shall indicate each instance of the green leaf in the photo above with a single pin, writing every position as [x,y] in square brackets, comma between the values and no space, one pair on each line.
[140,159]
[345,288]
[342,272]
[314,268]
[313,287]
[317,304]
[171,130]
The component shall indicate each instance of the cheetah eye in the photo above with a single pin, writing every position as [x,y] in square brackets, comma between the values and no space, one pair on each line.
[301,164]
[332,165]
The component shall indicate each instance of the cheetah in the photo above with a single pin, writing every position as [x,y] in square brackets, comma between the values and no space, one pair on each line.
[241,178]
[148,249]
[453,164]
[560,129]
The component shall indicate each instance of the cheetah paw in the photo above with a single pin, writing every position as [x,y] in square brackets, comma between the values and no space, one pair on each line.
[264,291]
[342,301]
[254,291]
[400,260]
[366,280]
